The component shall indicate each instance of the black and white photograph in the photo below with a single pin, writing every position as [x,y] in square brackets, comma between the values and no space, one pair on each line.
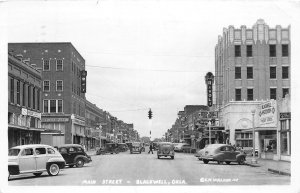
[149,96]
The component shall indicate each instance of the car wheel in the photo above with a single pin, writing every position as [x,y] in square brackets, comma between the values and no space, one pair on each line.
[241,161]
[79,162]
[53,169]
[158,157]
[227,163]
[37,174]
[172,157]
[72,165]
[205,161]
[220,162]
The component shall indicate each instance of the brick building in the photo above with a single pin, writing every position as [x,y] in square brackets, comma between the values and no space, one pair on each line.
[24,101]
[63,101]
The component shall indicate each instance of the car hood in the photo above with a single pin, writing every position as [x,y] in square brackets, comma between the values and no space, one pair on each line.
[12,158]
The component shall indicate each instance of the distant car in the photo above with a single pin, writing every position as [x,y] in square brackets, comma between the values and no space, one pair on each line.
[180,147]
[108,148]
[221,153]
[36,159]
[165,149]
[74,154]
[122,147]
[136,147]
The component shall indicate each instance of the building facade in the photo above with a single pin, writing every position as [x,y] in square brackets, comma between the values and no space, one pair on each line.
[252,72]
[24,101]
[63,99]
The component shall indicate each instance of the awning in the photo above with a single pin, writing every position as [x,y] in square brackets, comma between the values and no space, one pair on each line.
[25,128]
[258,129]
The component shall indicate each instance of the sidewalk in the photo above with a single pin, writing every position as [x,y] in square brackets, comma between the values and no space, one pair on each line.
[91,152]
[279,167]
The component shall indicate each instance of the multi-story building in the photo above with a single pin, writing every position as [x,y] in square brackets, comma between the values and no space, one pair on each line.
[252,65]
[24,101]
[63,98]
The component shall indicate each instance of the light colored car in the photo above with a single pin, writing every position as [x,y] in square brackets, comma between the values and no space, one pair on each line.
[221,153]
[165,149]
[179,147]
[34,158]
[136,147]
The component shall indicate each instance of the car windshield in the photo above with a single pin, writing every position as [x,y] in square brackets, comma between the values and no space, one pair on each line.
[13,152]
[165,145]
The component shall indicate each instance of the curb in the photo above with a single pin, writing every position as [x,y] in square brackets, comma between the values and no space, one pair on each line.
[279,172]
[252,165]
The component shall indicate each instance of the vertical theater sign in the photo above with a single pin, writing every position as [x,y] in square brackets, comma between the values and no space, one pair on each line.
[209,80]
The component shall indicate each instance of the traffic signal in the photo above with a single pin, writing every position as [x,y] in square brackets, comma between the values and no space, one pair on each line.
[150,114]
[83,81]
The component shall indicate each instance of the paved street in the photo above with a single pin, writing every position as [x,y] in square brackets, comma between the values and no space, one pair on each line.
[145,169]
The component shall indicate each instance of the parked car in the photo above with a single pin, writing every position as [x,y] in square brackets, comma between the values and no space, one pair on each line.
[108,148]
[222,153]
[74,154]
[36,159]
[200,152]
[165,149]
[122,147]
[181,146]
[136,147]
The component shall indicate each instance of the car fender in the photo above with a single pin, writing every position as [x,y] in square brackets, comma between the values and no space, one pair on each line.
[13,168]
[56,159]
[218,157]
[81,156]
[240,155]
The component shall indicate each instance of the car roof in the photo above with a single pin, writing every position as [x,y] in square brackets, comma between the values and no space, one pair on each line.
[31,146]
[166,143]
[70,145]
[217,145]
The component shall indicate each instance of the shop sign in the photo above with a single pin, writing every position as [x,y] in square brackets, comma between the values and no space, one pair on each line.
[79,122]
[285,115]
[268,114]
[56,119]
[31,113]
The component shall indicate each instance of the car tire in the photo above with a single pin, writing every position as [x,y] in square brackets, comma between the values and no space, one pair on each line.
[71,165]
[79,163]
[227,163]
[241,161]
[172,157]
[220,162]
[38,174]
[158,157]
[205,161]
[53,169]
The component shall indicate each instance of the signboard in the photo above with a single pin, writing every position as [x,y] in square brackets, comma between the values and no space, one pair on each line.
[209,79]
[31,113]
[283,116]
[268,114]
[56,119]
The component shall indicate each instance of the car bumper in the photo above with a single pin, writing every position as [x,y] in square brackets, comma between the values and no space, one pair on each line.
[206,158]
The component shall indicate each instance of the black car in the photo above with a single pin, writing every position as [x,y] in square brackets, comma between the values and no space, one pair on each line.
[108,148]
[74,154]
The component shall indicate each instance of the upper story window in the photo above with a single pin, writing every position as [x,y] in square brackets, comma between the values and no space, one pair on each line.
[59,65]
[249,50]
[273,93]
[46,65]
[59,85]
[249,72]
[46,85]
[272,50]
[273,72]
[250,94]
[238,94]
[237,50]
[285,50]
[238,74]
[285,72]
[18,92]
[12,90]
[285,91]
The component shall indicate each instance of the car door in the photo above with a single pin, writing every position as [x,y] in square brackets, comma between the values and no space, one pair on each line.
[231,153]
[64,152]
[72,152]
[41,158]
[27,162]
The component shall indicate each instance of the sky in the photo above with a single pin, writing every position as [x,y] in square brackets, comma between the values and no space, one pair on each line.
[142,54]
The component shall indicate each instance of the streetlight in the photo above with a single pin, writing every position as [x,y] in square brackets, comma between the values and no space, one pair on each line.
[209,133]
[253,161]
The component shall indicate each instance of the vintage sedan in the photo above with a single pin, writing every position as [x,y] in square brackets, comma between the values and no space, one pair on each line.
[34,158]
[221,153]
[136,147]
[165,149]
[74,154]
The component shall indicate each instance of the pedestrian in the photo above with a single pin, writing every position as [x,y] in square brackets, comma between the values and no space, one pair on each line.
[151,148]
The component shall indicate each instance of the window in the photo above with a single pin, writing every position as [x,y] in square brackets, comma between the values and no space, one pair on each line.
[29,96]
[27,152]
[18,93]
[33,98]
[59,106]
[46,106]
[12,90]
[249,72]
[50,151]
[46,85]
[52,106]
[40,151]
[237,51]
[63,150]
[24,94]
[250,94]
[59,85]
[249,50]
[285,91]
[71,149]
[72,66]
[38,99]
[59,65]
[273,93]
[285,50]
[272,72]
[285,72]
[46,65]
[238,74]
[238,94]
[272,50]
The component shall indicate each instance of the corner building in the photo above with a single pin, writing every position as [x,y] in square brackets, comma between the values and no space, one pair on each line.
[252,66]
[63,103]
